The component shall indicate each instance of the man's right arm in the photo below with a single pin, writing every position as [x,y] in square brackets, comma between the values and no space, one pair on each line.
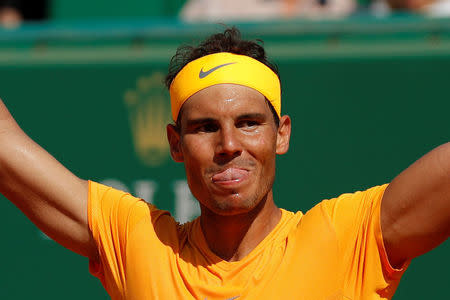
[44,190]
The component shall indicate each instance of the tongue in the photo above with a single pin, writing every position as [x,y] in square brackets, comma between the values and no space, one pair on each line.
[230,174]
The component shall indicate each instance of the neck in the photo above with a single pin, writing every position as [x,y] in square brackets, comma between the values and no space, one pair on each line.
[233,237]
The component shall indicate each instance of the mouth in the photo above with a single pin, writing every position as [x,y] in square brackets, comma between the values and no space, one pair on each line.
[230,177]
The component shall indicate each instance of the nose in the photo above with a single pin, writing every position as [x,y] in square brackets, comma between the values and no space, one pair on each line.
[228,145]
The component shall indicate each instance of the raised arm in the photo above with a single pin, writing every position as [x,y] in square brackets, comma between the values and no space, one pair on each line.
[415,210]
[51,196]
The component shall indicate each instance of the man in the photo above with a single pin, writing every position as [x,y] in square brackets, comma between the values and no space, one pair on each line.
[228,129]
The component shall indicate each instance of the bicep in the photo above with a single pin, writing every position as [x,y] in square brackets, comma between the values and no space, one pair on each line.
[50,195]
[415,210]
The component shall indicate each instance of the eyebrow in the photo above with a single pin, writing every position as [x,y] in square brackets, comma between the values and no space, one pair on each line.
[257,116]
[198,121]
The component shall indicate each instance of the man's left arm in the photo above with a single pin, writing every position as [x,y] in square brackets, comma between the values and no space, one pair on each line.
[415,210]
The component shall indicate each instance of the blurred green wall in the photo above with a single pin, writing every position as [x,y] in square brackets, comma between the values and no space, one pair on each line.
[85,9]
[367,98]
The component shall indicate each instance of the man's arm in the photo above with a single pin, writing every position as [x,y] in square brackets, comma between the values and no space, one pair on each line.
[415,210]
[51,196]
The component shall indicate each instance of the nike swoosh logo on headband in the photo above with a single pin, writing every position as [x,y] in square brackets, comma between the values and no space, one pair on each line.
[203,74]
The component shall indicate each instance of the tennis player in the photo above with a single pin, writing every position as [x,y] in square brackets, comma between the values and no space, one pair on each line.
[227,130]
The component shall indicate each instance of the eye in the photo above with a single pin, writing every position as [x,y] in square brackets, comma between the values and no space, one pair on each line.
[248,124]
[208,127]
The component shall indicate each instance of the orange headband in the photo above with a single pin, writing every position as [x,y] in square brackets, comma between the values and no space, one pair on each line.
[220,68]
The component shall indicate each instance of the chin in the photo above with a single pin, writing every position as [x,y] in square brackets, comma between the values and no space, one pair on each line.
[231,205]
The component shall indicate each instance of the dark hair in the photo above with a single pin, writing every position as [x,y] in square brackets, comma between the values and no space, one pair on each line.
[228,41]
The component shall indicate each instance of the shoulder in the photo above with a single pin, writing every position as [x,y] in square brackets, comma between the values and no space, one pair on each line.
[110,207]
[346,212]
[349,204]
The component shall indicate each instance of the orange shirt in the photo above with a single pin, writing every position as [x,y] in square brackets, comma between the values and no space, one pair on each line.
[334,251]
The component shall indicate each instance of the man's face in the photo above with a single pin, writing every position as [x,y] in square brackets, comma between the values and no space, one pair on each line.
[228,141]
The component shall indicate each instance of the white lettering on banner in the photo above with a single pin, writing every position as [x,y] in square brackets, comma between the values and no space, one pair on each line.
[145,189]
[117,184]
[186,206]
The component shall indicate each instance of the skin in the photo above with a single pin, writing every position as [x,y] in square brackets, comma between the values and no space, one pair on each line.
[415,212]
[53,198]
[235,131]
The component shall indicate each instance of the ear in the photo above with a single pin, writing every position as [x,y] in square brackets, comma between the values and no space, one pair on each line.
[283,135]
[174,138]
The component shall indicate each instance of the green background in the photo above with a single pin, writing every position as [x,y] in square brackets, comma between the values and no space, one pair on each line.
[86,9]
[366,97]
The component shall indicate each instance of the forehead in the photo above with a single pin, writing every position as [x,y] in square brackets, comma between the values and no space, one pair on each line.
[224,99]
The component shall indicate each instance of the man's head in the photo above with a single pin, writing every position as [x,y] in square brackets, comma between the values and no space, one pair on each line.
[227,42]
[228,134]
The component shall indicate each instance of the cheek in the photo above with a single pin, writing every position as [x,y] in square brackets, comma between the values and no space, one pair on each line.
[263,147]
[196,151]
